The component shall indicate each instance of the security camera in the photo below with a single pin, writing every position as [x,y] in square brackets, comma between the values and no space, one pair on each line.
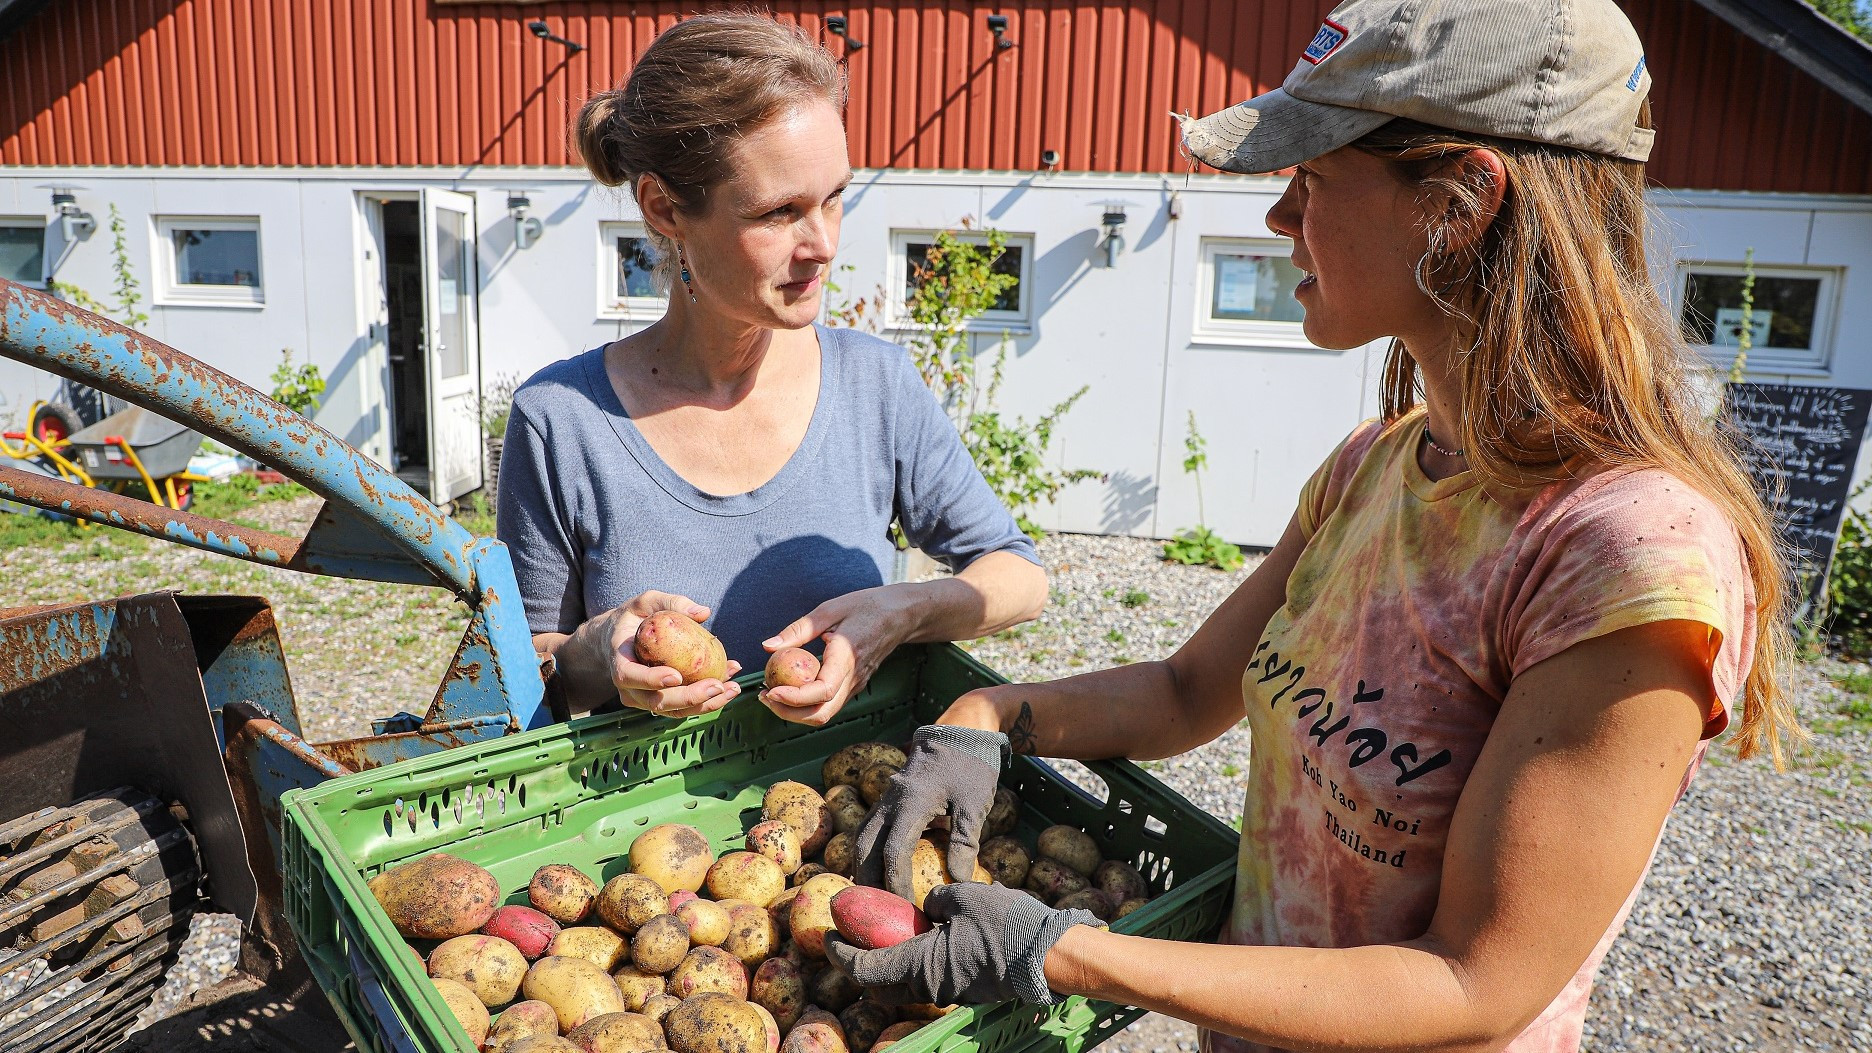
[1050,158]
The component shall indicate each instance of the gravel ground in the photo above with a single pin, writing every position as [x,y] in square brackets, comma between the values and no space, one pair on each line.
[1750,934]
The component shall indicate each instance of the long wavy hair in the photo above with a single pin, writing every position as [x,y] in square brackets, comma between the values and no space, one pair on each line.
[1575,363]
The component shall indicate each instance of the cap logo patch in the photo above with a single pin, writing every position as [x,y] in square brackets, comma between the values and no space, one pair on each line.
[1636,75]
[1331,34]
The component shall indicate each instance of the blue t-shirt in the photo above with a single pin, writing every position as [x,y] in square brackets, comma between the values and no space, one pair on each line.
[592,516]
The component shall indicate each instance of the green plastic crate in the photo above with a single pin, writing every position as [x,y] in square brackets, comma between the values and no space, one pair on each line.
[580,792]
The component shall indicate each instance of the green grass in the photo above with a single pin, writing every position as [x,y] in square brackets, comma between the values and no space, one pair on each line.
[1862,826]
[1230,771]
[1135,598]
[1114,636]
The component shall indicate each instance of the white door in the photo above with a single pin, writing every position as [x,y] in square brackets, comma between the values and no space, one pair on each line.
[451,342]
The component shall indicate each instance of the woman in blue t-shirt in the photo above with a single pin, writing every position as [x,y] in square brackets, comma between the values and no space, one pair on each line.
[733,461]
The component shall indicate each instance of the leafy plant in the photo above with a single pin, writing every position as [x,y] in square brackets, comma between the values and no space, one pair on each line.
[1853,15]
[1745,337]
[297,387]
[1135,598]
[1848,595]
[497,405]
[126,285]
[1200,546]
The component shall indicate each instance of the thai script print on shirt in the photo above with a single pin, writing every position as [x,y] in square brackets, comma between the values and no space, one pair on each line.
[1413,607]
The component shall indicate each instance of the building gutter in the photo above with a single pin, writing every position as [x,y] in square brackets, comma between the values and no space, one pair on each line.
[1814,43]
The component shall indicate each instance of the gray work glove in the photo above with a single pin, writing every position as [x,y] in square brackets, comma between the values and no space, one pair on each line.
[950,771]
[990,944]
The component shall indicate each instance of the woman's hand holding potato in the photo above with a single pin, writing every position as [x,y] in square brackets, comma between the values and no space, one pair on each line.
[603,652]
[860,630]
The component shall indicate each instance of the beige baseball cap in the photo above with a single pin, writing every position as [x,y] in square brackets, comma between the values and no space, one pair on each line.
[1566,72]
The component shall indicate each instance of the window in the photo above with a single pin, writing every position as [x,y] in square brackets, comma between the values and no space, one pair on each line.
[22,251]
[627,278]
[209,261]
[1011,310]
[1790,322]
[1245,293]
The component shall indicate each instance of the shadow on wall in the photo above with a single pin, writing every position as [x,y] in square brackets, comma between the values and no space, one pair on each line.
[1129,501]
[751,610]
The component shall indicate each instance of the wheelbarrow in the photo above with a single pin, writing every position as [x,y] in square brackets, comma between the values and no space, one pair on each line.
[128,447]
[145,741]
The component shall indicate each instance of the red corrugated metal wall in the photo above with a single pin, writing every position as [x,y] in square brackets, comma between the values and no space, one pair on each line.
[414,82]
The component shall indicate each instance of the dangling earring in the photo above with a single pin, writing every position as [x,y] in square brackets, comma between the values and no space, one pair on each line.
[683,262]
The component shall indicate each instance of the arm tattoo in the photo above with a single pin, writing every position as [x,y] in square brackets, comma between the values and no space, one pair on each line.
[1021,736]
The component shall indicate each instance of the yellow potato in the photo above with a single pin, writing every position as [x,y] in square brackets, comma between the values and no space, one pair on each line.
[779,988]
[657,1006]
[575,988]
[753,935]
[1120,880]
[468,1008]
[874,781]
[562,893]
[1091,899]
[844,767]
[805,873]
[596,944]
[864,1021]
[1006,860]
[847,807]
[638,987]
[715,1023]
[707,970]
[800,807]
[673,855]
[778,842]
[707,921]
[439,896]
[618,1033]
[490,966]
[1004,815]
[782,910]
[539,1044]
[928,868]
[895,1033]
[745,875]
[773,1028]
[1071,846]
[522,1020]
[817,1036]
[629,900]
[811,917]
[660,944]
[841,854]
[831,988]
[1130,905]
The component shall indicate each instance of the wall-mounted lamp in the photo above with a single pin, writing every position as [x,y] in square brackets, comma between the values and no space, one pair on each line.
[544,32]
[998,25]
[840,26]
[1113,221]
[527,229]
[74,222]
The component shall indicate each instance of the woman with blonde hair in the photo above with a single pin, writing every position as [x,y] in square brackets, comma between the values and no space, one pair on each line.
[734,462]
[1504,622]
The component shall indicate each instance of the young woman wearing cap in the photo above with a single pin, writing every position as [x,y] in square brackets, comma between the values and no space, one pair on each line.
[1507,616]
[733,459]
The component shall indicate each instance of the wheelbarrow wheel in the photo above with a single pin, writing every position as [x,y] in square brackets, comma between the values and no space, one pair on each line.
[53,422]
[185,494]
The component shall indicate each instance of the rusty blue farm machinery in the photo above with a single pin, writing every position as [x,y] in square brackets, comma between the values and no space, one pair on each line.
[145,740]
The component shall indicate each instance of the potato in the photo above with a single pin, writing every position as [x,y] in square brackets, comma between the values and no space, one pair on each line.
[1119,880]
[815,1015]
[658,1005]
[815,1037]
[1003,815]
[800,807]
[841,854]
[661,944]
[538,1044]
[772,1026]
[844,767]
[1089,899]
[780,988]
[791,667]
[522,1020]
[874,781]
[1128,906]
[618,1033]
[680,897]
[790,950]
[638,987]
[872,918]
[811,918]
[673,639]
[1071,846]
[594,943]
[708,969]
[575,988]
[753,935]
[747,876]
[712,1022]
[929,868]
[782,909]
[673,855]
[467,1007]
[706,920]
[778,842]
[1052,880]
[562,893]
[489,966]
[896,1033]
[1006,860]
[805,873]
[630,900]
[530,930]
[847,807]
[437,897]
[830,987]
[864,1021]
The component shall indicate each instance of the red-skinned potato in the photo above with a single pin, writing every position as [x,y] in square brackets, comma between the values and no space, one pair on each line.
[530,930]
[673,639]
[791,667]
[779,988]
[437,897]
[562,893]
[680,897]
[873,919]
[815,1037]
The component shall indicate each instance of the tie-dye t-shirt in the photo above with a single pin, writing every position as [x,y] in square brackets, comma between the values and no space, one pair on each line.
[1414,605]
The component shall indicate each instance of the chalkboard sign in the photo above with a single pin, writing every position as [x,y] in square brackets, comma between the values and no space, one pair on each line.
[1800,445]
